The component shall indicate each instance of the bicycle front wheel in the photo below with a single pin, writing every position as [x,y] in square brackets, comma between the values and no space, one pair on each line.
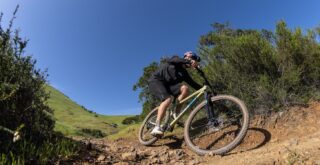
[222,132]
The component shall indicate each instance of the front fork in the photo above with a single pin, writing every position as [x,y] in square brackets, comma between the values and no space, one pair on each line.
[209,107]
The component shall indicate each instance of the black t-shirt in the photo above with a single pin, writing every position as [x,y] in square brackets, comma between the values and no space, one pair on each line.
[172,72]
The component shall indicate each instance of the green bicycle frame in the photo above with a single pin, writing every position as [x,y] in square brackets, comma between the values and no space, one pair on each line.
[197,94]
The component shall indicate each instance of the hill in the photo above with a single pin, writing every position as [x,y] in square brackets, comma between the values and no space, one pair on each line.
[75,120]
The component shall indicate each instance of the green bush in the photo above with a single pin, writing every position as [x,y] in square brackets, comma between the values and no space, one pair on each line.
[27,152]
[92,133]
[23,107]
[131,120]
[268,70]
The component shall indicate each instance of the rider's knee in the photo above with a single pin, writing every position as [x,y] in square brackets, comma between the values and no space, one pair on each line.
[168,99]
[184,88]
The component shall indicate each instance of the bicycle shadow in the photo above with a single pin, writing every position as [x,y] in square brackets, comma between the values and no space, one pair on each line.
[255,138]
[176,144]
[266,139]
[172,141]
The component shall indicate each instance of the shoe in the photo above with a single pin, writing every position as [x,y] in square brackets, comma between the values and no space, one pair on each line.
[156,131]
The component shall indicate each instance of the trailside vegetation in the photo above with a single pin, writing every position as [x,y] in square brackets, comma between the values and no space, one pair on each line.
[269,70]
[27,123]
[146,98]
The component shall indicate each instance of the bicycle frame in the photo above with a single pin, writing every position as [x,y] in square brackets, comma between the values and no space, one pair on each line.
[196,95]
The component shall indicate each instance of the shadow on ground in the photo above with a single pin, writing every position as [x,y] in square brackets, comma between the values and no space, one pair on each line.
[255,138]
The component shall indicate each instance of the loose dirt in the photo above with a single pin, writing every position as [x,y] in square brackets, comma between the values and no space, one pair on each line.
[287,137]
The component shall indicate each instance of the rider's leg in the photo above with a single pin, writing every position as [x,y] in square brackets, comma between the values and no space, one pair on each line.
[159,89]
[184,91]
[162,109]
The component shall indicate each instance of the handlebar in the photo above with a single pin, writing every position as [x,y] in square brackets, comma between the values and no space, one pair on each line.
[205,79]
[198,68]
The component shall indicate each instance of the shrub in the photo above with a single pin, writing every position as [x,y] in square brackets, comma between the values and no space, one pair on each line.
[268,70]
[23,107]
[92,132]
[131,120]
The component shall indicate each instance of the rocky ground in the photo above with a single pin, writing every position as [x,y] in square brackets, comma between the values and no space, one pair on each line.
[287,137]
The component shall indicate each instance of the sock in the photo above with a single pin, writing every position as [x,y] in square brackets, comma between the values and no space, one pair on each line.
[157,123]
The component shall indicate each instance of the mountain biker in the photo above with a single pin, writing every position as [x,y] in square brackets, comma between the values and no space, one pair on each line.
[166,81]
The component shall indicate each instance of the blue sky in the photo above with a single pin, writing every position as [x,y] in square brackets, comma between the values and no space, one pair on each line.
[95,50]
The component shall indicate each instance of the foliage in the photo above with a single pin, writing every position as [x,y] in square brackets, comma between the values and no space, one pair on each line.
[90,111]
[131,120]
[23,110]
[148,100]
[53,148]
[266,69]
[92,132]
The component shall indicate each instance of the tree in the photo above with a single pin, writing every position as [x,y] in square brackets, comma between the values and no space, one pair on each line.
[149,101]
[268,70]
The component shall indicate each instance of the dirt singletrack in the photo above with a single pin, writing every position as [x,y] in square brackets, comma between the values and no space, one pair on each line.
[287,137]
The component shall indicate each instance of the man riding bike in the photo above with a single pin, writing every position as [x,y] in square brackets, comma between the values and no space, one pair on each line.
[166,81]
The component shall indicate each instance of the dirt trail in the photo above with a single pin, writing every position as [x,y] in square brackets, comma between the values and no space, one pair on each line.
[288,137]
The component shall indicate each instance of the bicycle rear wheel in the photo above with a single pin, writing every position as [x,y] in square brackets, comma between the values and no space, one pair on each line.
[147,126]
[220,134]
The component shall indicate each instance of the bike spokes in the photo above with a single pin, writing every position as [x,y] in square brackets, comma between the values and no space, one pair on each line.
[148,125]
[145,136]
[218,131]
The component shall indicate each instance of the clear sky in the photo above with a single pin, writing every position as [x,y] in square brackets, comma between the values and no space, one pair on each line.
[95,49]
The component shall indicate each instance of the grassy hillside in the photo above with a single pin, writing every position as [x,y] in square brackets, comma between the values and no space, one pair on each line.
[73,118]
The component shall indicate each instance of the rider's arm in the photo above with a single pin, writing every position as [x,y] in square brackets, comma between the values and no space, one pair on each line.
[191,82]
[178,60]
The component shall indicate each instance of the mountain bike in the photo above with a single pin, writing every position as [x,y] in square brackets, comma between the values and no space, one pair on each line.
[215,126]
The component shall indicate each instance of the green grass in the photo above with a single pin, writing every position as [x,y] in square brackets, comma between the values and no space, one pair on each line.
[71,117]
[130,131]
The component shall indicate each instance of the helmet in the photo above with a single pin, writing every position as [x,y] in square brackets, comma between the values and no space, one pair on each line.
[194,56]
